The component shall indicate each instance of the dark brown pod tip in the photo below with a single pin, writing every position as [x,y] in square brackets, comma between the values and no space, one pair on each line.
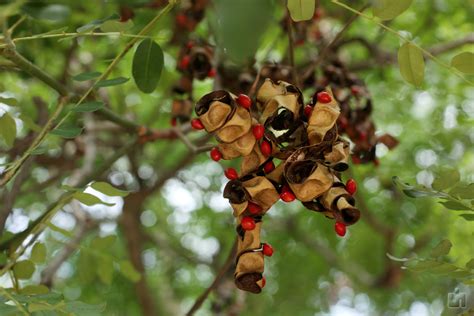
[248,282]
[347,214]
[202,106]
[299,171]
[235,192]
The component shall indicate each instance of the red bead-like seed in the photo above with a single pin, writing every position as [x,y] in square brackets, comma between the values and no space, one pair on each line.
[362,136]
[258,131]
[269,167]
[184,62]
[231,174]
[244,101]
[215,154]
[247,223]
[308,109]
[287,196]
[173,121]
[267,250]
[254,208]
[324,97]
[355,90]
[182,20]
[264,281]
[340,229]
[197,124]
[190,44]
[211,73]
[266,148]
[356,160]
[351,186]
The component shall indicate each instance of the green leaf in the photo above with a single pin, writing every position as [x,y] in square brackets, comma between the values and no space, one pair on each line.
[461,274]
[60,230]
[86,267]
[116,26]
[9,101]
[454,205]
[103,243]
[463,191]
[28,121]
[412,64]
[442,249]
[107,189]
[147,65]
[38,253]
[444,268]
[87,76]
[105,269]
[8,310]
[111,82]
[390,9]
[468,217]
[96,23]
[80,308]
[89,199]
[470,264]
[447,177]
[301,10]
[464,62]
[423,265]
[66,131]
[88,107]
[7,129]
[24,269]
[129,271]
[34,290]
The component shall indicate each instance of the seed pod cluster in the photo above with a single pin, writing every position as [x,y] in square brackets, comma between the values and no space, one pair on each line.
[286,152]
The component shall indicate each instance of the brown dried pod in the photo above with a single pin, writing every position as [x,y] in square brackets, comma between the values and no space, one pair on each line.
[215,108]
[250,262]
[242,146]
[341,203]
[268,90]
[252,161]
[200,62]
[239,209]
[235,192]
[262,192]
[181,109]
[237,126]
[337,158]
[322,119]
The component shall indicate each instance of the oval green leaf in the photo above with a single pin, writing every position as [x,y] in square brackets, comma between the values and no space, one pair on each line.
[66,131]
[107,189]
[34,290]
[88,107]
[24,269]
[38,253]
[464,62]
[111,82]
[87,76]
[301,10]
[390,9]
[442,249]
[89,199]
[8,129]
[129,271]
[147,65]
[412,64]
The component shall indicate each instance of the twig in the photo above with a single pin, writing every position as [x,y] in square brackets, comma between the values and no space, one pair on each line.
[223,270]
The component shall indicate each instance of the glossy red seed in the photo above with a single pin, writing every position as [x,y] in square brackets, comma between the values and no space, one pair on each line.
[173,121]
[324,97]
[244,101]
[355,90]
[215,154]
[254,208]
[231,174]
[340,229]
[267,250]
[181,20]
[258,131]
[266,148]
[308,109]
[269,167]
[247,223]
[190,44]
[184,62]
[211,73]
[197,124]
[264,281]
[362,136]
[287,196]
[351,186]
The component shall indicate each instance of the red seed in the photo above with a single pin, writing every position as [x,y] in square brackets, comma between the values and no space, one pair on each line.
[287,196]
[342,123]
[269,167]
[340,229]
[244,101]
[215,154]
[211,73]
[258,131]
[247,223]
[351,186]
[266,148]
[254,208]
[190,44]
[308,109]
[355,90]
[267,250]
[197,124]
[324,97]
[362,136]
[231,174]
[184,62]
[173,121]
[264,281]
[182,20]
[356,160]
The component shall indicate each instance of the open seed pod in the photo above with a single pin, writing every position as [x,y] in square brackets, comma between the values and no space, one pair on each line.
[341,203]
[277,174]
[200,61]
[322,119]
[239,209]
[249,263]
[261,191]
[235,192]
[237,126]
[307,178]
[268,90]
[277,105]
[316,206]
[215,109]
[337,158]
[242,146]
[252,161]
[181,109]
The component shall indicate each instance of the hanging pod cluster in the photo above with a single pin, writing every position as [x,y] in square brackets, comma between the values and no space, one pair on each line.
[310,154]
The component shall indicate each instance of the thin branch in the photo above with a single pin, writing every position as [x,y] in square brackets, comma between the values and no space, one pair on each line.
[222,271]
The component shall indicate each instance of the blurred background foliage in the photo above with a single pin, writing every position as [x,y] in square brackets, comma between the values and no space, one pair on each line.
[187,226]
